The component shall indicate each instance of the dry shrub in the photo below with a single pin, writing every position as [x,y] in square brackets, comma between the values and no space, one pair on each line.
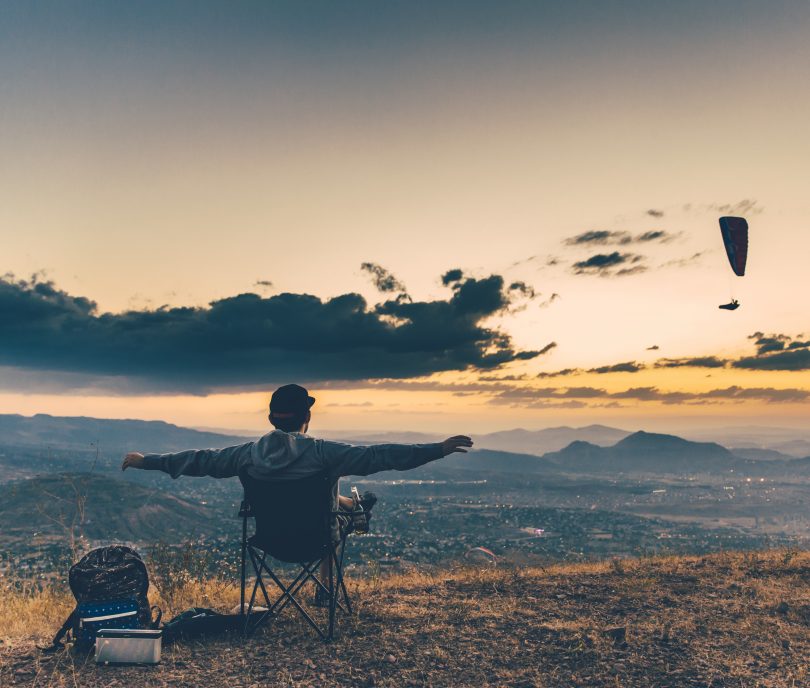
[32,610]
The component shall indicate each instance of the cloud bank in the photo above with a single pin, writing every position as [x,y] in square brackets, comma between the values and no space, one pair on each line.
[248,341]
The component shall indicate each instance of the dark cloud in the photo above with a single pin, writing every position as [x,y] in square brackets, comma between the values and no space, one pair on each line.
[248,341]
[734,394]
[523,289]
[628,367]
[696,362]
[654,347]
[655,213]
[770,342]
[776,352]
[654,235]
[773,352]
[525,294]
[603,264]
[263,283]
[503,391]
[796,359]
[383,280]
[600,237]
[548,347]
[602,260]
[451,276]
[560,373]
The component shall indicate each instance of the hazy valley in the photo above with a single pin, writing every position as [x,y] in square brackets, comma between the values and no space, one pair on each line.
[596,492]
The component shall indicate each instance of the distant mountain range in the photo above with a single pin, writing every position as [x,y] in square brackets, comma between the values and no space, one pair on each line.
[518,440]
[645,452]
[590,449]
[793,442]
[80,432]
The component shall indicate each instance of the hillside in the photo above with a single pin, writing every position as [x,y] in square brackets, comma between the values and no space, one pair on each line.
[99,507]
[549,439]
[79,432]
[733,619]
[517,440]
[646,452]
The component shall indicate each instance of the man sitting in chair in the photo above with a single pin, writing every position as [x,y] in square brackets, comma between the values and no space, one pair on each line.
[288,453]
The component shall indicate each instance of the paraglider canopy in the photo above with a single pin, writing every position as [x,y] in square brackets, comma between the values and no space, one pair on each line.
[735,238]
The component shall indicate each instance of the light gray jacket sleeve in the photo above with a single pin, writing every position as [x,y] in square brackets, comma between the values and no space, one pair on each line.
[346,459]
[218,463]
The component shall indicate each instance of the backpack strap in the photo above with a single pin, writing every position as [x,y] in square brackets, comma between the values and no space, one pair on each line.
[56,644]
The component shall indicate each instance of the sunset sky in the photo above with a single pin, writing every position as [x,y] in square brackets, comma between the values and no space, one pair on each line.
[468,216]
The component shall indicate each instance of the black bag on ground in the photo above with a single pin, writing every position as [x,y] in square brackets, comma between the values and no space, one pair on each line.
[107,575]
[199,621]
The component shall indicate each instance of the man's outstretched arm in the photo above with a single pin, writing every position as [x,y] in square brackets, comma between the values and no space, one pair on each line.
[217,463]
[346,459]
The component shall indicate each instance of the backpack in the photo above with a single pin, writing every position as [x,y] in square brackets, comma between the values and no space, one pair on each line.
[110,585]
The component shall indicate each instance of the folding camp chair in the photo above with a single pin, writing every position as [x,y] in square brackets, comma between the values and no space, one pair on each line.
[296,524]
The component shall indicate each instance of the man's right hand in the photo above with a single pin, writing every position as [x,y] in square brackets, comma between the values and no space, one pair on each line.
[456,444]
[132,460]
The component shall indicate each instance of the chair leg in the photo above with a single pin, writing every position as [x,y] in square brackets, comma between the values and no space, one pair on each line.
[244,572]
[341,579]
[287,594]
[258,564]
[294,587]
[332,594]
[336,586]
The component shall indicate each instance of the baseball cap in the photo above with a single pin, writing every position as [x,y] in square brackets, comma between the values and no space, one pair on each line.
[290,401]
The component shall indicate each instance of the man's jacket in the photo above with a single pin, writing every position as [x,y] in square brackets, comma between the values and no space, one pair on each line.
[293,455]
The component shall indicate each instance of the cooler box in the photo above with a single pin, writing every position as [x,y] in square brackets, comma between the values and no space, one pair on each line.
[128,646]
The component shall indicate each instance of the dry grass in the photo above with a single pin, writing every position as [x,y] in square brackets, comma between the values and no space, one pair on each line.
[723,620]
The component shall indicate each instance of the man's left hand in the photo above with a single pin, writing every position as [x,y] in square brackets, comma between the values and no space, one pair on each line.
[132,460]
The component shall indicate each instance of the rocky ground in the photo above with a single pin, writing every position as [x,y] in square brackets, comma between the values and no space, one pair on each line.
[722,620]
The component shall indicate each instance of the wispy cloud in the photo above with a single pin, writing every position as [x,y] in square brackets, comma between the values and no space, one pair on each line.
[383,279]
[627,367]
[610,265]
[732,394]
[603,237]
[693,362]
[686,261]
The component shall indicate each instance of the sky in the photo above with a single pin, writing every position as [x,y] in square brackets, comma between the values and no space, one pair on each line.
[467,216]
